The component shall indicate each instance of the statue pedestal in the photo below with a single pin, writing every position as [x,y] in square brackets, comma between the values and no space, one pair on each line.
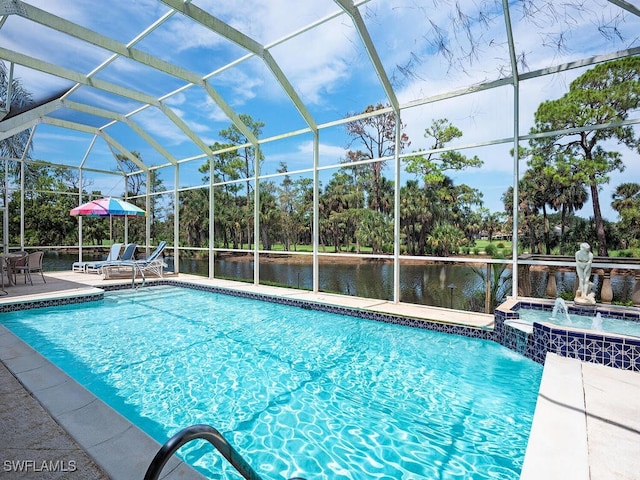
[584,300]
[589,299]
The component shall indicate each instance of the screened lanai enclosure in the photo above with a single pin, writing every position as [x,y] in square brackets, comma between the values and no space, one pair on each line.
[372,148]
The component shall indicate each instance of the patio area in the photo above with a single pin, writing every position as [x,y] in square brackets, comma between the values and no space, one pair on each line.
[586,424]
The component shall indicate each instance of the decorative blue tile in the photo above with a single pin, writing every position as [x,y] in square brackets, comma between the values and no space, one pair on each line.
[632,341]
[576,335]
[15,307]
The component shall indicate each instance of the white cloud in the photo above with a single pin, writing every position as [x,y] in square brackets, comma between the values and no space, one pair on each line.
[325,149]
[300,155]
[214,112]
[313,62]
[160,126]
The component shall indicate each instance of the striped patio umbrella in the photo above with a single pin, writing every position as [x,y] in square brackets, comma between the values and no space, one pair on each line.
[108,207]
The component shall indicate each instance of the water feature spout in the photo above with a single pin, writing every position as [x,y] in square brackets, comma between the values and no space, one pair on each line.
[560,307]
[596,324]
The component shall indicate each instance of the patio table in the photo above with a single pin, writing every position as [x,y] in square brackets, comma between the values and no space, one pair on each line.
[8,262]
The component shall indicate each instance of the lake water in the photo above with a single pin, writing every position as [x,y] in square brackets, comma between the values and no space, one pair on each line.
[449,286]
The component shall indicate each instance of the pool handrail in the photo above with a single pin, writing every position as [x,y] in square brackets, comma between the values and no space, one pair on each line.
[214,437]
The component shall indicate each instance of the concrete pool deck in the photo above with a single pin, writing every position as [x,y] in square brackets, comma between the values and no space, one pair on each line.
[586,424]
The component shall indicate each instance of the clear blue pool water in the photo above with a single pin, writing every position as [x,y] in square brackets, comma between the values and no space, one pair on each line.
[603,324]
[297,392]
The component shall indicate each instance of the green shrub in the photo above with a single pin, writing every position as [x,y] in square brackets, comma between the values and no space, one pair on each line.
[476,251]
[491,250]
[628,303]
[500,245]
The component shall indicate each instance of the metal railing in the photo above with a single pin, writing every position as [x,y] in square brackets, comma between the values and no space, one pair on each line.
[215,438]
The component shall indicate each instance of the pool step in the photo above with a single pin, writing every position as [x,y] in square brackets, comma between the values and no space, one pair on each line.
[145,293]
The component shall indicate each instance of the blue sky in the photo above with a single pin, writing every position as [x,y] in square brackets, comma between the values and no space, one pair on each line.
[327,66]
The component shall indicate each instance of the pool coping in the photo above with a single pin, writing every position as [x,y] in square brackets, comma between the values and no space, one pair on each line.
[594,414]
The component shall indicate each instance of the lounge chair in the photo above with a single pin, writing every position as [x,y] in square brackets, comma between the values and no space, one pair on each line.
[114,253]
[152,264]
[127,254]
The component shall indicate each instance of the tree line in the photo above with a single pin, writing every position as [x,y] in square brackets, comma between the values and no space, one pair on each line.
[568,161]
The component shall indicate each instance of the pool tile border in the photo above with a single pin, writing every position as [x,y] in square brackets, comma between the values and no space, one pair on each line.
[52,302]
[99,452]
[122,450]
[586,343]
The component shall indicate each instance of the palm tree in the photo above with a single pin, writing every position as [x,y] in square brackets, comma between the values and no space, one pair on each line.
[499,279]
[492,222]
[15,146]
[626,196]
[529,204]
[540,182]
[571,196]
[415,218]
[626,201]
[445,239]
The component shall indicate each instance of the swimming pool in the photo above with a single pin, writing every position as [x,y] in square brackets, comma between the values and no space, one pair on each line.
[296,391]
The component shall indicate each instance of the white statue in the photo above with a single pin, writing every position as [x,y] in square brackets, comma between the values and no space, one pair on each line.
[584,258]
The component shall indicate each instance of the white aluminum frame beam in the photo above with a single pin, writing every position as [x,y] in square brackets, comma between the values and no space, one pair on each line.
[76,77]
[81,127]
[626,6]
[354,13]
[516,143]
[25,120]
[46,19]
[61,72]
[114,143]
[101,112]
[227,31]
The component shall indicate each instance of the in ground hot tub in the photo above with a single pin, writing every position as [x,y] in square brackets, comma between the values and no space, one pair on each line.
[602,334]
